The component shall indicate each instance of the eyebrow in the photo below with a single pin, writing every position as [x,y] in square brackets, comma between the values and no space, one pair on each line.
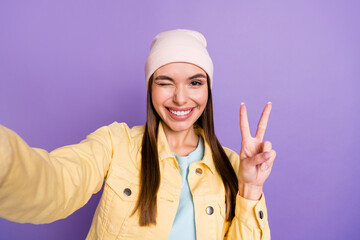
[164,77]
[199,75]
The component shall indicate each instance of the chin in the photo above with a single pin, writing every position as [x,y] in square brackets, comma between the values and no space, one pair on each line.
[179,126]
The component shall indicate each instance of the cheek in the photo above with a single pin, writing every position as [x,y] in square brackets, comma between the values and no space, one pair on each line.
[201,98]
[159,96]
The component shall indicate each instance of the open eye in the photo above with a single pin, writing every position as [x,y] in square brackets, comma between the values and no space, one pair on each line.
[196,83]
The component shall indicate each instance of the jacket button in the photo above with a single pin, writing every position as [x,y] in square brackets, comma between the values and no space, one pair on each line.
[199,171]
[127,191]
[261,214]
[209,210]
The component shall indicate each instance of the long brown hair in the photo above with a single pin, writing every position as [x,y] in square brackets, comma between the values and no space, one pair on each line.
[150,170]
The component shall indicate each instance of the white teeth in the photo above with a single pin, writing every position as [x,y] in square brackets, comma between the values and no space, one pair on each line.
[180,113]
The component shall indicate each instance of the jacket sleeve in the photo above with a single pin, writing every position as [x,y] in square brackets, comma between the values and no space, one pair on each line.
[251,218]
[40,187]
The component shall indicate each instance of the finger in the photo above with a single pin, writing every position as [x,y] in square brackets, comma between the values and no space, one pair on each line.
[266,146]
[268,163]
[260,132]
[244,123]
[260,158]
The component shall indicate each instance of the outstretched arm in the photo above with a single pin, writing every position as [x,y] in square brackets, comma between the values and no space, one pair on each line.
[40,187]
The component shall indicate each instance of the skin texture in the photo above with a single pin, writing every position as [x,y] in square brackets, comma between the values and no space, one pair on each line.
[183,86]
[180,86]
[256,156]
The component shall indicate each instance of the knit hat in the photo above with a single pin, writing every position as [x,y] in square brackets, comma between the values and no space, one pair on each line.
[179,45]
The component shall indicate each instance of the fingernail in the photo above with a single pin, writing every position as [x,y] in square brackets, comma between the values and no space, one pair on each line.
[269,103]
[264,167]
[267,155]
[242,103]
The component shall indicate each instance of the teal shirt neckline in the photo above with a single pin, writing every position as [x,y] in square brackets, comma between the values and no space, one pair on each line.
[184,222]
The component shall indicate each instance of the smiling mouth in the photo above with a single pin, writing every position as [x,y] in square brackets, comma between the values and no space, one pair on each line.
[180,113]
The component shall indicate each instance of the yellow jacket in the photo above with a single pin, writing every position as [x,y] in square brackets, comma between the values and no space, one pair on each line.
[41,187]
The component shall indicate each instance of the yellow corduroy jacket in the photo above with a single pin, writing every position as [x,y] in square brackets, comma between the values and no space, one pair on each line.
[40,187]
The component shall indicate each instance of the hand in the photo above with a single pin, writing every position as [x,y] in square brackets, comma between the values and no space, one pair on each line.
[256,156]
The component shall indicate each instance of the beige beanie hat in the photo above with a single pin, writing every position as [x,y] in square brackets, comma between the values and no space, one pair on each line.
[179,45]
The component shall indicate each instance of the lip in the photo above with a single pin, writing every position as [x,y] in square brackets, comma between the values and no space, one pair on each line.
[180,117]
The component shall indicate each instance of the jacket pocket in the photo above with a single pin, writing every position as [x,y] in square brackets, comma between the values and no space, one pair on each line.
[126,191]
[210,217]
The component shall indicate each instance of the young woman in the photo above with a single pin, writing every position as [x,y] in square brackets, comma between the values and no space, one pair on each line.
[169,179]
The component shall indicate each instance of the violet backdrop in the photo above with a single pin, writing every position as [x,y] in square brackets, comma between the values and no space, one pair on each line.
[69,67]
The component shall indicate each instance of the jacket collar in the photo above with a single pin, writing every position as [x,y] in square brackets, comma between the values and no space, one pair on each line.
[165,152]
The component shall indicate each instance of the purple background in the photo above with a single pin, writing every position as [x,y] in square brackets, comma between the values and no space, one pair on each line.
[70,67]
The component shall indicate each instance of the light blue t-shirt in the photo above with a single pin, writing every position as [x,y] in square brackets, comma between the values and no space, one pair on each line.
[184,223]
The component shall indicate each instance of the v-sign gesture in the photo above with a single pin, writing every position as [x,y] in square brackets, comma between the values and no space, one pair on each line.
[256,156]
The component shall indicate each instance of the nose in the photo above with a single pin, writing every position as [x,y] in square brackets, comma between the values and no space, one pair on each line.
[180,95]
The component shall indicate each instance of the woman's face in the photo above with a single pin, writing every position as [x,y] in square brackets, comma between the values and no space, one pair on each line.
[179,94]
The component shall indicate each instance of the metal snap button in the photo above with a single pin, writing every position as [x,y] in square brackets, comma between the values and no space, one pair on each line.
[199,171]
[209,210]
[127,191]
[261,214]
